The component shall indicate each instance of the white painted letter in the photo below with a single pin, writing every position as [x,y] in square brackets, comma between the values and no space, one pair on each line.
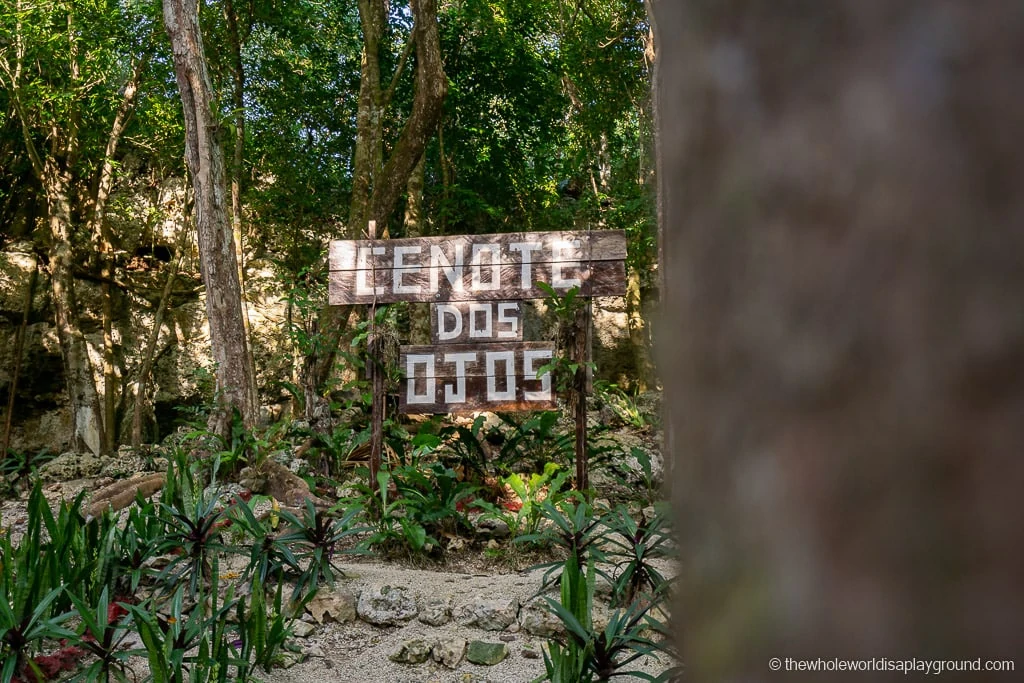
[558,252]
[526,272]
[427,361]
[480,332]
[478,284]
[443,333]
[401,268]
[439,261]
[460,360]
[530,372]
[508,357]
[508,307]
[363,267]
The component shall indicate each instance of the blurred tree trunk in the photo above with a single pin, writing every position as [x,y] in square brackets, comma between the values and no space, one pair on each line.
[845,260]
[235,385]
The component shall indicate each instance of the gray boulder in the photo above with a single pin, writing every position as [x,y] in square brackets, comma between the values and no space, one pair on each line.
[490,615]
[386,606]
[486,654]
[414,651]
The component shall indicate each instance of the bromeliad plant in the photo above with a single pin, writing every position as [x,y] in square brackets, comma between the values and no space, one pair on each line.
[170,634]
[270,555]
[102,631]
[264,630]
[192,540]
[317,538]
[586,654]
[29,588]
[632,546]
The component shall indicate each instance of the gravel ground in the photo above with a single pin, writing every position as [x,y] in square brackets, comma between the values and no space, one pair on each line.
[358,652]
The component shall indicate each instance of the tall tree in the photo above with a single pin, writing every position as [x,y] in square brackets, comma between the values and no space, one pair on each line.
[72,93]
[378,185]
[235,383]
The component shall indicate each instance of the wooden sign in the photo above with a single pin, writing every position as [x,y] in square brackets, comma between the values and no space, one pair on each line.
[477,267]
[460,378]
[477,321]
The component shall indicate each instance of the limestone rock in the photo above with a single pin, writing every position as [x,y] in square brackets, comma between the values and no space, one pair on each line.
[436,612]
[538,621]
[386,606]
[301,629]
[490,615]
[68,466]
[335,604]
[449,652]
[489,527]
[486,654]
[414,651]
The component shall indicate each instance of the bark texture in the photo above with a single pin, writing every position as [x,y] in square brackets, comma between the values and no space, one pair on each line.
[235,383]
[845,256]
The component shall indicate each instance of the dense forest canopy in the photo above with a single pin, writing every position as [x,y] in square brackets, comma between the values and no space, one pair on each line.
[429,117]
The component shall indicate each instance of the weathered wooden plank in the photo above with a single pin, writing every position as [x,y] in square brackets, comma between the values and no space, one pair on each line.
[474,360]
[601,278]
[471,377]
[503,248]
[459,322]
[450,395]
[492,407]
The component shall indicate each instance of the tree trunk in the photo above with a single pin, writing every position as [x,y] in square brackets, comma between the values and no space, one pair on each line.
[844,333]
[638,337]
[19,351]
[368,156]
[431,86]
[146,368]
[54,171]
[235,383]
[416,226]
[376,191]
[236,38]
[101,236]
[86,414]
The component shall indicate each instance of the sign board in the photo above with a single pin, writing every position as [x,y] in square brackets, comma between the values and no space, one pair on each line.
[477,267]
[478,360]
[456,378]
[476,321]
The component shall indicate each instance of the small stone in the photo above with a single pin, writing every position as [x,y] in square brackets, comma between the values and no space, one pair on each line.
[538,621]
[491,527]
[449,652]
[287,660]
[386,606]
[414,651]
[301,629]
[315,651]
[530,653]
[338,605]
[493,545]
[490,615]
[507,637]
[486,654]
[436,613]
